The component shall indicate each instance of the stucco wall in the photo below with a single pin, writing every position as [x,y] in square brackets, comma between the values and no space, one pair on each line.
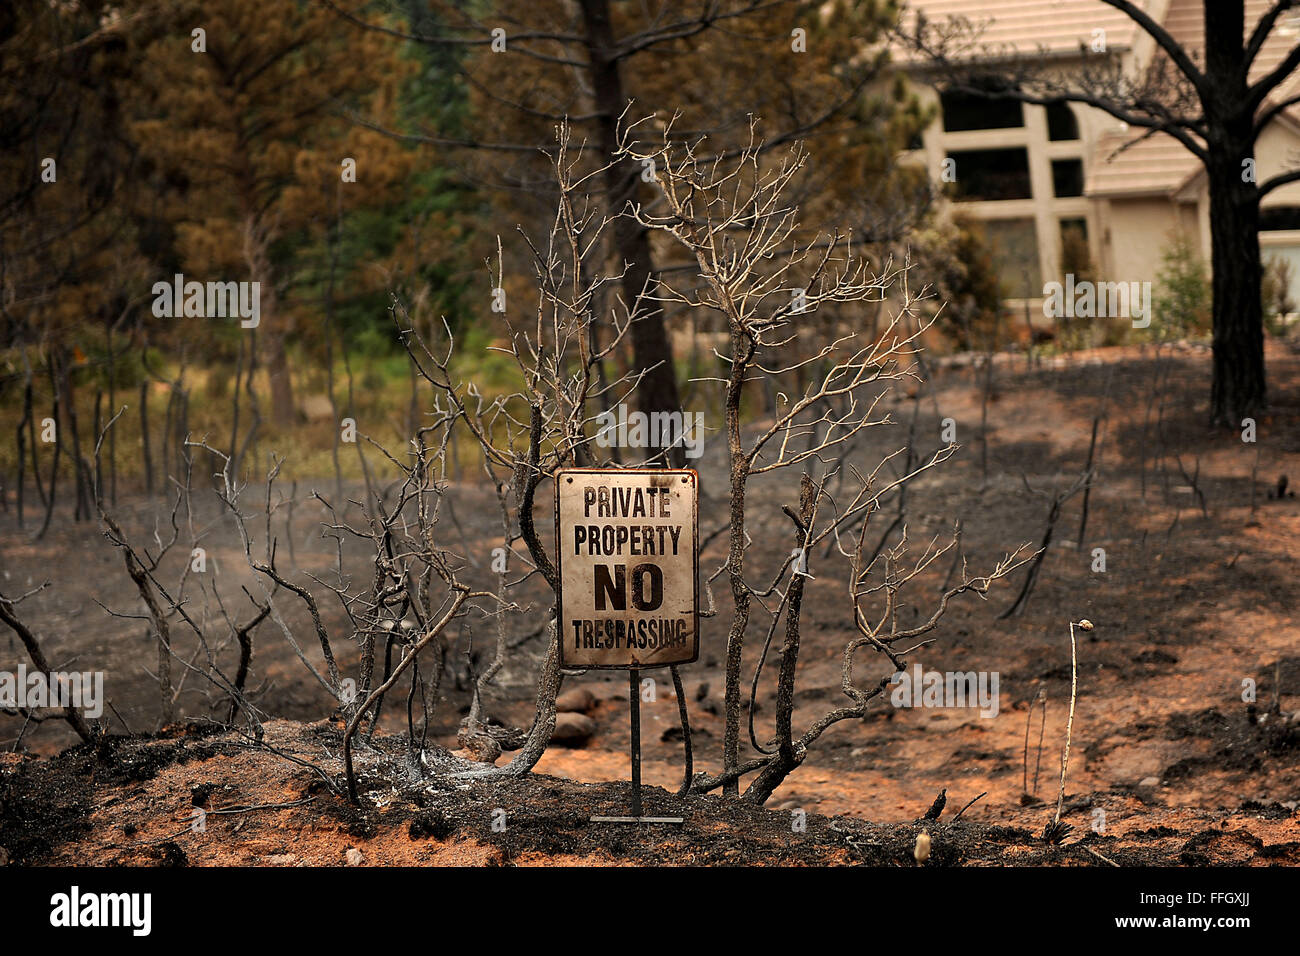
[1134,234]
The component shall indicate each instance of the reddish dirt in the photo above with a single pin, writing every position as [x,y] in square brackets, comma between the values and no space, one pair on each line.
[133,803]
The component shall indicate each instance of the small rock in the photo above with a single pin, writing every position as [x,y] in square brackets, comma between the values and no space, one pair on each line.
[576,700]
[473,756]
[281,859]
[355,857]
[480,748]
[1150,782]
[921,852]
[573,729]
[316,408]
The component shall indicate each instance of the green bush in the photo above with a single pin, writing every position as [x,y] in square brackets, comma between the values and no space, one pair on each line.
[1275,295]
[1182,297]
[954,259]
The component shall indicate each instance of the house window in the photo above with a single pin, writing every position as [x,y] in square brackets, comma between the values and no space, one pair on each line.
[1014,245]
[967,111]
[1067,177]
[1061,123]
[984,174]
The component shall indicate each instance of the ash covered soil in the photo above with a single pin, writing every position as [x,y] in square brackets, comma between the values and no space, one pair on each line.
[1198,600]
[133,802]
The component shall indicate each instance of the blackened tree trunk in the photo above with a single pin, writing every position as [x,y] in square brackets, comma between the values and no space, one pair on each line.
[651,351]
[1238,387]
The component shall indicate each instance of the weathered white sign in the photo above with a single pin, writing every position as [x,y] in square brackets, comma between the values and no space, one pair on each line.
[627,545]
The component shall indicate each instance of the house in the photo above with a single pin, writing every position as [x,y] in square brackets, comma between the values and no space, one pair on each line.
[1029,173]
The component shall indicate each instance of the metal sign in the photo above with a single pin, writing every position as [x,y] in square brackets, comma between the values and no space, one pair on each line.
[627,541]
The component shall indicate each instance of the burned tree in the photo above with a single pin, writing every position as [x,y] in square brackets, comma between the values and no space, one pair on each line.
[754,268]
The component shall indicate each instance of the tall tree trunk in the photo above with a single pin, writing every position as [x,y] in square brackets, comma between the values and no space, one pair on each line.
[1238,388]
[277,369]
[272,325]
[283,411]
[658,389]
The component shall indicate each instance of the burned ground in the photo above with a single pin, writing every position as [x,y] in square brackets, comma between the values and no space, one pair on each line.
[134,803]
[1198,598]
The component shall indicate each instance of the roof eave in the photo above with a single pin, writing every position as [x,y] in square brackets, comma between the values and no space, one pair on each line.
[926,66]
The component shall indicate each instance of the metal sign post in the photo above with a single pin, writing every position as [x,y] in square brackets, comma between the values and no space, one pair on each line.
[634,745]
[627,547]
